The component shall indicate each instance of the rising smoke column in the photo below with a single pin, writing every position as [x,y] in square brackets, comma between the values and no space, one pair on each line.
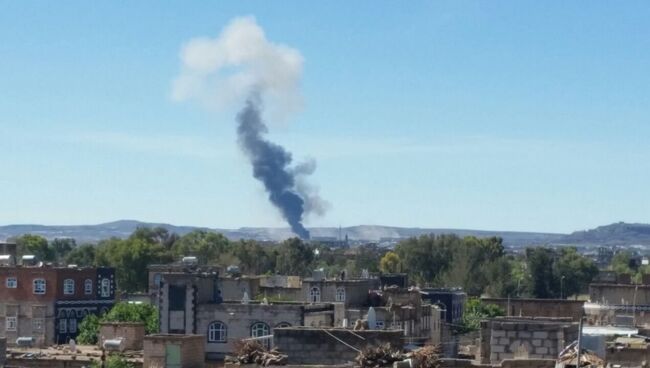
[271,166]
[241,66]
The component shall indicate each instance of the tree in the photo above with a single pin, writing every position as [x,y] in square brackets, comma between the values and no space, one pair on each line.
[62,246]
[206,246]
[35,245]
[475,311]
[574,271]
[253,258]
[427,256]
[390,263]
[540,265]
[294,257]
[121,312]
[131,257]
[88,330]
[83,255]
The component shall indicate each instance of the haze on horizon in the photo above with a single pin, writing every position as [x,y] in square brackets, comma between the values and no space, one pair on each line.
[468,115]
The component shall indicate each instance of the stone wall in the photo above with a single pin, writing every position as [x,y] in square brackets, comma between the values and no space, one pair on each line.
[131,333]
[329,346]
[539,307]
[192,350]
[525,338]
[33,319]
[619,294]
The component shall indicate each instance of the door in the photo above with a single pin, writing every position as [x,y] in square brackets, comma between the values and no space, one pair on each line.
[173,356]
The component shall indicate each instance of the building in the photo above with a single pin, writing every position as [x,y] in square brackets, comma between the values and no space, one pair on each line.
[349,292]
[452,300]
[191,302]
[524,338]
[48,303]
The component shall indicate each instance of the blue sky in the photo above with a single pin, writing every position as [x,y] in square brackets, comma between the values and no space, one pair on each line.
[487,115]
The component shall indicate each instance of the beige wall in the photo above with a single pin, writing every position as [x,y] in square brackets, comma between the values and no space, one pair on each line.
[131,333]
[27,313]
[191,347]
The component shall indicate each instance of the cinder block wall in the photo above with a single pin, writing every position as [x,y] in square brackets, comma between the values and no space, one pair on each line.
[132,333]
[328,346]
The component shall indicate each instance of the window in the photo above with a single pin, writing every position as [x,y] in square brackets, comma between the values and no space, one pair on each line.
[157,279]
[88,287]
[39,286]
[11,323]
[283,324]
[106,288]
[314,295]
[37,324]
[63,326]
[72,325]
[260,329]
[340,294]
[68,287]
[11,283]
[380,324]
[217,332]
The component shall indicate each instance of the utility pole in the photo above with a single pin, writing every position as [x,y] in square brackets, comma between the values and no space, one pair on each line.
[579,339]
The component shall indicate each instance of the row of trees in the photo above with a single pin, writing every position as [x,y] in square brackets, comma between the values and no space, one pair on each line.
[478,265]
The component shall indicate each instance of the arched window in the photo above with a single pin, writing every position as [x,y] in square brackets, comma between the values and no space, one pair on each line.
[314,295]
[106,288]
[259,329]
[283,324]
[68,287]
[217,332]
[340,294]
[88,287]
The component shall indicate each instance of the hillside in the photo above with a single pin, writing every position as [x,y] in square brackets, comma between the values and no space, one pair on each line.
[615,234]
[123,228]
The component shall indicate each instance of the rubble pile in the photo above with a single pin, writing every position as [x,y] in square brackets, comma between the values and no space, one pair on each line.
[252,352]
[385,355]
[379,356]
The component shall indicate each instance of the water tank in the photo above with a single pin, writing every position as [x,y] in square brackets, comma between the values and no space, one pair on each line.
[190,261]
[318,275]
[113,345]
[25,341]
[29,260]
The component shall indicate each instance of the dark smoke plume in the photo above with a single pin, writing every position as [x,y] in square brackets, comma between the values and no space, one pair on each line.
[271,165]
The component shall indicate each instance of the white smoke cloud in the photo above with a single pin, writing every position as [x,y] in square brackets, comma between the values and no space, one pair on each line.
[221,72]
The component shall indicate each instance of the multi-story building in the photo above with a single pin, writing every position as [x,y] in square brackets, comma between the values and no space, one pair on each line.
[48,303]
[452,300]
[190,302]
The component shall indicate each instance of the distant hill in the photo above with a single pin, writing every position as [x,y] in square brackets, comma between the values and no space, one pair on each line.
[123,228]
[615,234]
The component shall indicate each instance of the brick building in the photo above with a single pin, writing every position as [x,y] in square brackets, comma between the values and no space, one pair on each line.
[48,303]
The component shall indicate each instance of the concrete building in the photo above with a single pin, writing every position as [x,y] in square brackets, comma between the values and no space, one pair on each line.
[130,333]
[191,303]
[524,338]
[349,292]
[162,351]
[48,303]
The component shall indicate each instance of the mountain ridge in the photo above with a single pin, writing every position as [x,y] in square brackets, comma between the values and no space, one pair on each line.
[613,234]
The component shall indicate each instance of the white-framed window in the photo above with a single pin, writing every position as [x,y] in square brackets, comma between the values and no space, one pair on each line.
[63,325]
[11,323]
[88,286]
[37,324]
[259,329]
[314,295]
[68,287]
[11,283]
[72,325]
[217,332]
[380,324]
[105,288]
[340,294]
[39,286]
